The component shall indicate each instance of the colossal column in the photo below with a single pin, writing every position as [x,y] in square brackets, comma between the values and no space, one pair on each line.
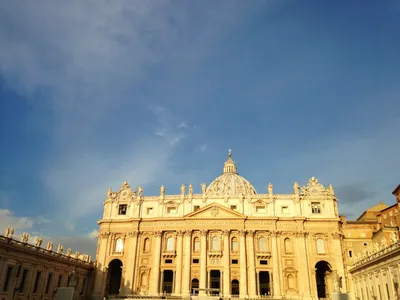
[178,278]
[130,246]
[155,277]
[243,265]
[227,275]
[187,263]
[304,275]
[203,261]
[252,270]
[275,261]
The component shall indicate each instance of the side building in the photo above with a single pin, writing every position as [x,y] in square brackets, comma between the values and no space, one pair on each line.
[227,240]
[31,272]
[373,252]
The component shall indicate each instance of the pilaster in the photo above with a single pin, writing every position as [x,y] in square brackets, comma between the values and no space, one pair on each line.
[276,269]
[187,264]
[252,271]
[226,273]
[178,278]
[243,265]
[155,277]
[203,261]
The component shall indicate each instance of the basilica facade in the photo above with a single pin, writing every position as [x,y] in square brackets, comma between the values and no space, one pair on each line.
[227,240]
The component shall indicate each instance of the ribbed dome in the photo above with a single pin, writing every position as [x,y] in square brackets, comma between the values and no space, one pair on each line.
[230,182]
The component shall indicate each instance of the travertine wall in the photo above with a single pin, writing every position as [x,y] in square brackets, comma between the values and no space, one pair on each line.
[230,230]
[31,272]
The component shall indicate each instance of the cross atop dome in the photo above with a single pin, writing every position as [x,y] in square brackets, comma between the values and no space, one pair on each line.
[230,166]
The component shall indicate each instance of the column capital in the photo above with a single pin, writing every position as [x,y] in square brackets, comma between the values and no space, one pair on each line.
[242,232]
[133,233]
[180,233]
[104,235]
[203,232]
[251,233]
[157,233]
[226,232]
[187,232]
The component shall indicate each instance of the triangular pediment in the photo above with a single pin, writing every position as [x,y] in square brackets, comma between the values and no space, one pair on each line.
[215,210]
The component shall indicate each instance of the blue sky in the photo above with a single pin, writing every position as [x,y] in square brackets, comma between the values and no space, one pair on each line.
[93,93]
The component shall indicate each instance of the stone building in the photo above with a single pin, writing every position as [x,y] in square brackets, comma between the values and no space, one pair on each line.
[32,272]
[227,240]
[373,251]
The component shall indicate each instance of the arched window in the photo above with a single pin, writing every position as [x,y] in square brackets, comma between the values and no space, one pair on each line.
[320,246]
[288,246]
[119,245]
[196,244]
[235,245]
[262,244]
[290,282]
[170,244]
[146,245]
[215,244]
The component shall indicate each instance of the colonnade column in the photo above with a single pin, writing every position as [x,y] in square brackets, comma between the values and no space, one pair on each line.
[243,265]
[226,273]
[178,278]
[186,268]
[203,261]
[252,269]
[275,261]
[155,277]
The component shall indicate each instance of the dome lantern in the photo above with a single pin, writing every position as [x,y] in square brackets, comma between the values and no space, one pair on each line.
[230,166]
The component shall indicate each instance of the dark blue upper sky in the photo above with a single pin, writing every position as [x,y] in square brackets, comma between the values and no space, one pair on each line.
[156,92]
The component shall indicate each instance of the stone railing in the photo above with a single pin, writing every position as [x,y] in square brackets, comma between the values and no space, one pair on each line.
[24,243]
[375,251]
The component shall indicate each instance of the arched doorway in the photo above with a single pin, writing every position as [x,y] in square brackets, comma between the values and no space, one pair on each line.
[323,269]
[235,287]
[195,286]
[114,277]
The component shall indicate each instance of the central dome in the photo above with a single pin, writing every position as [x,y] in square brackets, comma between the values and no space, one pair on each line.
[230,182]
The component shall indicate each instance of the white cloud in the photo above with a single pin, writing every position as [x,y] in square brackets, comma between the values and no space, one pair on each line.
[84,244]
[7,218]
[93,234]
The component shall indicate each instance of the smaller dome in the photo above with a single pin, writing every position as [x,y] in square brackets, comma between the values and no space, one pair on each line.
[230,182]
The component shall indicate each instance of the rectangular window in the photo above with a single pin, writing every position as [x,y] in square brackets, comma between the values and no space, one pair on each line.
[59,281]
[68,281]
[168,261]
[260,209]
[316,207]
[171,210]
[350,253]
[23,280]
[285,210]
[48,284]
[235,261]
[233,207]
[37,280]
[263,262]
[150,211]
[8,277]
[196,207]
[122,209]
[195,260]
